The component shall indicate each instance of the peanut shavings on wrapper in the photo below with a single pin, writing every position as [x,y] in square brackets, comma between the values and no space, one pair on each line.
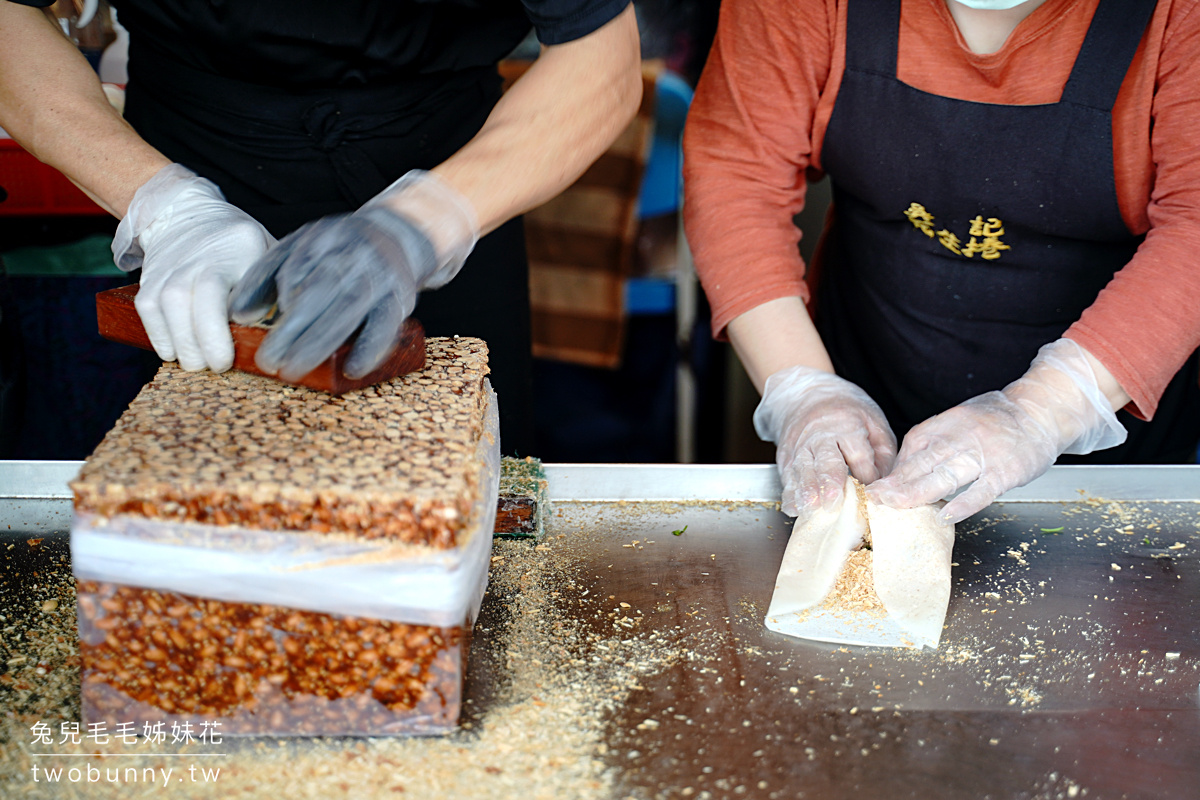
[832,588]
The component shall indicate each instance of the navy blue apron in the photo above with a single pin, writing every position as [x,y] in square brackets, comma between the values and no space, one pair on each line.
[288,157]
[967,235]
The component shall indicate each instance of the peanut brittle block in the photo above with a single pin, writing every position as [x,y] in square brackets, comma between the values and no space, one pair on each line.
[394,461]
[396,473]
[151,656]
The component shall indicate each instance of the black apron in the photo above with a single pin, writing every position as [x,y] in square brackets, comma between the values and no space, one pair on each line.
[967,235]
[288,157]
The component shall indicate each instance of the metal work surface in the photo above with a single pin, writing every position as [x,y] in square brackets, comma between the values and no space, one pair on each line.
[630,641]
[1070,661]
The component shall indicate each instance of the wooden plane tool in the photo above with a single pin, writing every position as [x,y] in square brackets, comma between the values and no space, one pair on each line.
[119,322]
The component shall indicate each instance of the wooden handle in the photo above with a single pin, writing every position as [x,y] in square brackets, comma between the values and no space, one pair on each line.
[119,321]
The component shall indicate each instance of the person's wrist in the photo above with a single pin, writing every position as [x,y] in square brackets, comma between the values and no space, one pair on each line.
[152,208]
[416,255]
[1061,394]
[781,392]
[1106,382]
[805,388]
[443,215]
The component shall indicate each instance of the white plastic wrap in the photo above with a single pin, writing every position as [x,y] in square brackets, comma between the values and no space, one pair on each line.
[312,572]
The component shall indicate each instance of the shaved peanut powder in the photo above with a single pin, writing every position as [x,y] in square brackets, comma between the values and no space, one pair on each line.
[855,587]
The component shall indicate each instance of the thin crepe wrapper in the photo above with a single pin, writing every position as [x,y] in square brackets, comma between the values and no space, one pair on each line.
[911,571]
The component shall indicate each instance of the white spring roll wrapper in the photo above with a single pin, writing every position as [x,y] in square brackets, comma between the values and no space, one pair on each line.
[911,570]
[912,553]
[815,555]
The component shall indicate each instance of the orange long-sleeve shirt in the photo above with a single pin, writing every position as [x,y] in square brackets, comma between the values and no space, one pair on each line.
[756,127]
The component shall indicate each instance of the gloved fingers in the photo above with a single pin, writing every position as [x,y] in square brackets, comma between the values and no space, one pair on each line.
[926,476]
[974,499]
[321,256]
[329,262]
[312,329]
[182,232]
[149,307]
[210,318]
[299,276]
[789,502]
[863,453]
[831,471]
[814,478]
[256,292]
[277,346]
[317,343]
[883,444]
[315,304]
[378,336]
[802,493]
[326,278]
[176,302]
[884,462]
[923,448]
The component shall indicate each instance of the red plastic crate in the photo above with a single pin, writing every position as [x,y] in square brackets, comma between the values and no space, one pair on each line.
[30,188]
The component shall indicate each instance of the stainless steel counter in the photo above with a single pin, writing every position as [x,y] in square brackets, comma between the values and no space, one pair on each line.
[1069,667]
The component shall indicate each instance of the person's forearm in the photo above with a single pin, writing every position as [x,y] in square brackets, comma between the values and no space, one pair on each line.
[1107,383]
[552,124]
[776,335]
[51,103]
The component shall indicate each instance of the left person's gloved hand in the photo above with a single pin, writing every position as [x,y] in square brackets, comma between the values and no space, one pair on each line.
[365,268]
[1001,440]
[191,246]
[824,428]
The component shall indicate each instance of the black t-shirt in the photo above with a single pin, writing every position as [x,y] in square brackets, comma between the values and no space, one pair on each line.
[320,43]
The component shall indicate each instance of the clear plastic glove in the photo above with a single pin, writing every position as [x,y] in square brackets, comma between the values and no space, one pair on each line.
[192,246]
[1001,440]
[824,428]
[362,269]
